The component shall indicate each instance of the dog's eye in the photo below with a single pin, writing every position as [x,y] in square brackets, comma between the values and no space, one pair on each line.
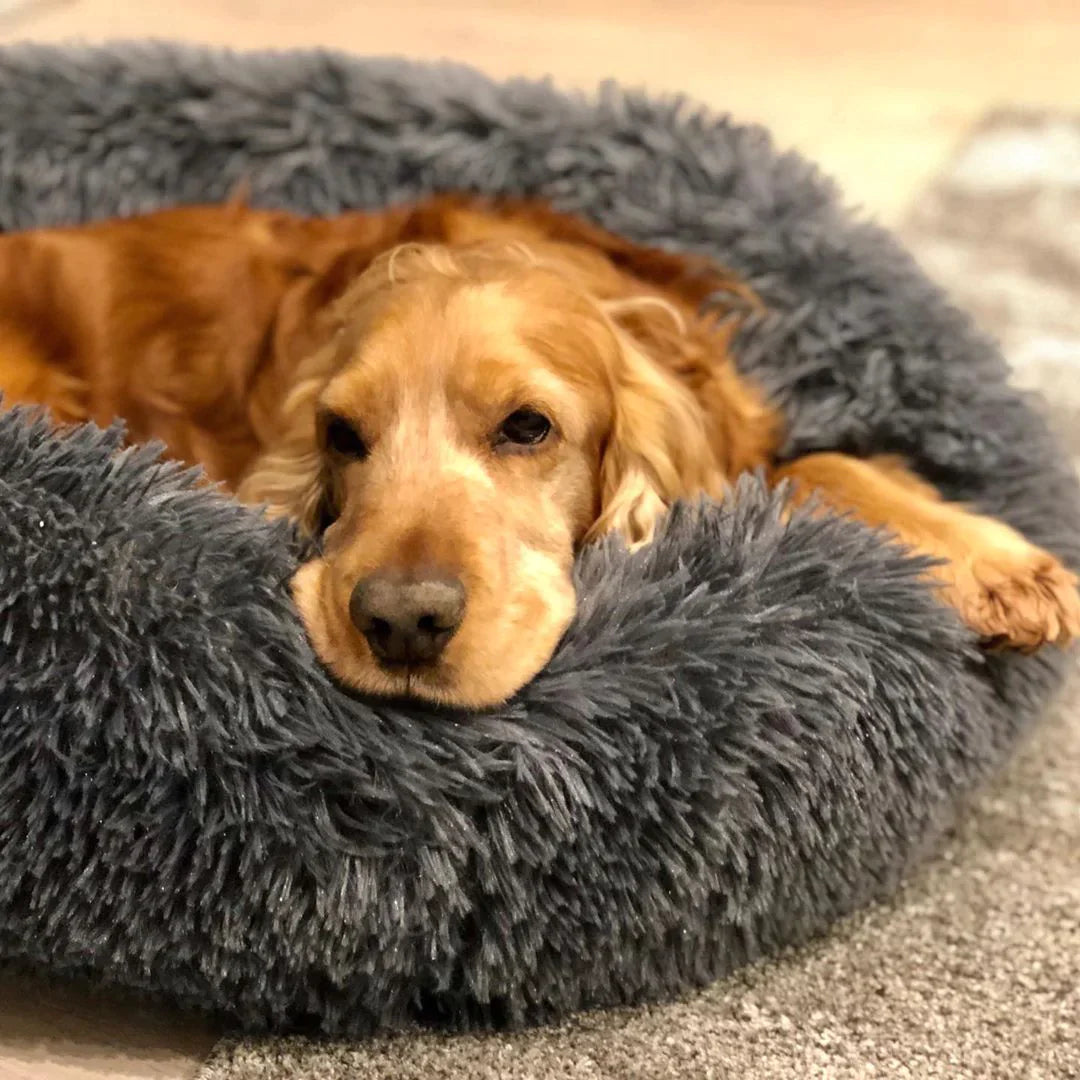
[342,438]
[523,427]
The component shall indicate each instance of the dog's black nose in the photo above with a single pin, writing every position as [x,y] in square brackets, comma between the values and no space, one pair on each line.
[407,618]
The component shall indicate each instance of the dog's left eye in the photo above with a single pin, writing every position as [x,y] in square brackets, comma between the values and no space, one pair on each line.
[523,427]
[344,439]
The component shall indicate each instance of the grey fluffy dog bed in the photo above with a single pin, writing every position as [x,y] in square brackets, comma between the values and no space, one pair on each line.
[749,730]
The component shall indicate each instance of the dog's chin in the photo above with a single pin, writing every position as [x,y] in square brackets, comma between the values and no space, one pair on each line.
[451,682]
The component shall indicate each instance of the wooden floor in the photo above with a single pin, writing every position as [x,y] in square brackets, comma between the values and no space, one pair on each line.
[877,91]
[50,1032]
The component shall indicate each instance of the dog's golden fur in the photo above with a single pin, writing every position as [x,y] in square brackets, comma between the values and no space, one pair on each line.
[241,337]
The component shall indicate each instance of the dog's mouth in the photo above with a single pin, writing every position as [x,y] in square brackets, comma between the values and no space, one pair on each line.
[427,680]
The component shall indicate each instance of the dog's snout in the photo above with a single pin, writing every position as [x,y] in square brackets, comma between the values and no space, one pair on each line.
[407,618]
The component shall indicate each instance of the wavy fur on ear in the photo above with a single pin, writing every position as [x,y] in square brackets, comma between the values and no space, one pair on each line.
[290,478]
[658,449]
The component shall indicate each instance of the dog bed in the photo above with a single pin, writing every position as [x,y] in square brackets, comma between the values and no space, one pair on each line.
[750,729]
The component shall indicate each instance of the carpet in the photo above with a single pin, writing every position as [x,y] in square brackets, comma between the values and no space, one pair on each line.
[973,969]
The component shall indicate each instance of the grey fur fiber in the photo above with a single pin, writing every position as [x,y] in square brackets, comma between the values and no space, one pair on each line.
[750,729]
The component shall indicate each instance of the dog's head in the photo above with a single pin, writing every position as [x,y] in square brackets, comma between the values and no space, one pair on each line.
[475,414]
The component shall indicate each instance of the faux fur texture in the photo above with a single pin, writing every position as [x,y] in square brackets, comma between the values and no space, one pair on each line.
[749,730]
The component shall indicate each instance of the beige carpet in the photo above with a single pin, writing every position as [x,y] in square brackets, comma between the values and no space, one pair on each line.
[973,971]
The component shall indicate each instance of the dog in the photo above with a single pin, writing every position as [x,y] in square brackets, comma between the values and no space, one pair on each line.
[453,396]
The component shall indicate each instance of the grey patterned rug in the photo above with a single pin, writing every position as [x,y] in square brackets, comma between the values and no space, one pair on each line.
[973,971]
[1001,229]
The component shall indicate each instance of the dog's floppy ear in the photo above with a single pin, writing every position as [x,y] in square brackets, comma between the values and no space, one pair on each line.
[657,449]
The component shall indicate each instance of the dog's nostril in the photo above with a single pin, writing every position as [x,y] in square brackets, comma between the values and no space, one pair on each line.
[407,618]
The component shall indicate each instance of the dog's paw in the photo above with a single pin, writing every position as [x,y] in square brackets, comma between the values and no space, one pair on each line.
[1016,596]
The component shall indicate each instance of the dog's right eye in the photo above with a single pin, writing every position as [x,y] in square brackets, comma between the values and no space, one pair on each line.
[342,438]
[523,427]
